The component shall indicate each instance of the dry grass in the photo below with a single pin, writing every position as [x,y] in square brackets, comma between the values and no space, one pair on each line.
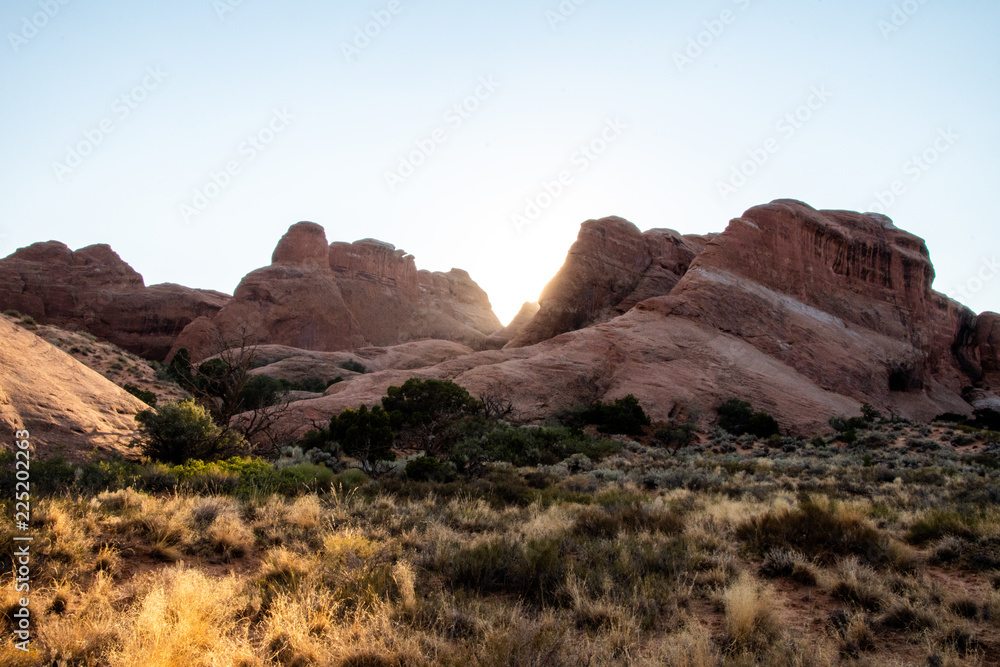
[629,575]
[186,618]
[751,622]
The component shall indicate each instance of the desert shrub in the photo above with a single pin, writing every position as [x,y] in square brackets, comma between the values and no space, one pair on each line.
[260,391]
[785,563]
[940,523]
[48,476]
[871,414]
[677,436]
[352,478]
[183,430]
[527,446]
[115,473]
[824,531]
[12,313]
[28,321]
[842,425]
[533,569]
[738,417]
[607,522]
[429,469]
[251,477]
[904,614]
[315,385]
[987,419]
[365,435]
[624,416]
[147,397]
[354,366]
[427,403]
[859,585]
[848,437]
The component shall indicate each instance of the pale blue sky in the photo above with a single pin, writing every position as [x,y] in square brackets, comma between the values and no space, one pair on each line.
[678,130]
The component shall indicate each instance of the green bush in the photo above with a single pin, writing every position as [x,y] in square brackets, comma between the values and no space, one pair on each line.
[354,366]
[353,478]
[314,384]
[821,531]
[625,416]
[677,436]
[251,476]
[28,321]
[179,369]
[12,313]
[147,397]
[738,417]
[365,435]
[183,430]
[986,419]
[527,446]
[427,402]
[871,414]
[848,437]
[429,469]
[939,523]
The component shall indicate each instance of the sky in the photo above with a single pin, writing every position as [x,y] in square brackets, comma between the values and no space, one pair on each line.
[189,135]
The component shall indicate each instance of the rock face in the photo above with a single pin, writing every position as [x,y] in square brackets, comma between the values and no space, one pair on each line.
[93,290]
[611,267]
[807,314]
[988,342]
[295,365]
[521,320]
[69,409]
[344,296]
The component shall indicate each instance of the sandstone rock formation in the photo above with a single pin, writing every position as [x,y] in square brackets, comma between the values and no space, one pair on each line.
[363,294]
[611,267]
[93,290]
[988,342]
[69,409]
[296,365]
[806,313]
[521,320]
